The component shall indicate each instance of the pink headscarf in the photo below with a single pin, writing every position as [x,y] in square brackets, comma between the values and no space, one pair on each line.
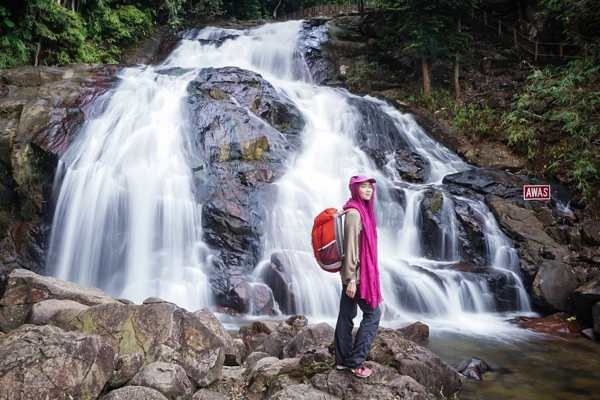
[369,289]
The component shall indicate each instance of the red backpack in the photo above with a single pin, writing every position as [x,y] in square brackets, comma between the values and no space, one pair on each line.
[328,239]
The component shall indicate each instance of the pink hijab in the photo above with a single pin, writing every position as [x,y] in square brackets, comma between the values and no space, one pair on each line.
[369,289]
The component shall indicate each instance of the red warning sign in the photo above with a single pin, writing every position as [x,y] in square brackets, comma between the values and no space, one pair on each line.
[536,192]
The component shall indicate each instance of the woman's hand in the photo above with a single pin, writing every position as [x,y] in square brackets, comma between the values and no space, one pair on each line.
[351,289]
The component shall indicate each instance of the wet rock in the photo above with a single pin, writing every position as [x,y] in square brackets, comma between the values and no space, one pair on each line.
[253,298]
[417,332]
[554,283]
[435,226]
[596,319]
[39,362]
[522,225]
[555,324]
[588,333]
[379,137]
[25,288]
[409,358]
[410,166]
[584,298]
[242,130]
[277,278]
[473,368]
[312,35]
[471,233]
[168,379]
[487,181]
[308,339]
[134,393]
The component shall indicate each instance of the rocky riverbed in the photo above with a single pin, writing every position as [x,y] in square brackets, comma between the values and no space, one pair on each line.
[59,340]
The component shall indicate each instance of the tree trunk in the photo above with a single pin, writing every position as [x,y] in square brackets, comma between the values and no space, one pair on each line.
[456,74]
[37,53]
[276,8]
[456,68]
[426,80]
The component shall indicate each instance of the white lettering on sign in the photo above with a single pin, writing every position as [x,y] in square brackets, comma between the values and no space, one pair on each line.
[536,192]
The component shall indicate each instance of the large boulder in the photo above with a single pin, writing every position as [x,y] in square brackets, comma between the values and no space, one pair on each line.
[234,354]
[242,130]
[45,362]
[584,298]
[311,338]
[25,291]
[409,358]
[169,379]
[523,226]
[156,332]
[554,283]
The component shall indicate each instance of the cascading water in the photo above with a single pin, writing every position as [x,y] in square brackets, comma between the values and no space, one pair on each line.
[126,219]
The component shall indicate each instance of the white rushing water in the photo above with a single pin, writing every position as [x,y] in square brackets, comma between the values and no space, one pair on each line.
[126,219]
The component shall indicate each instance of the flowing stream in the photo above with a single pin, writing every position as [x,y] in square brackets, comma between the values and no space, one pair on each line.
[127,221]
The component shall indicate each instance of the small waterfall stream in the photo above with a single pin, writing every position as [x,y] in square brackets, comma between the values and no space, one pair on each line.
[127,221]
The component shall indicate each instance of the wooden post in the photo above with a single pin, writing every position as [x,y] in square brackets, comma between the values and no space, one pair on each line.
[499,27]
[515,37]
[536,50]
[485,18]
[560,50]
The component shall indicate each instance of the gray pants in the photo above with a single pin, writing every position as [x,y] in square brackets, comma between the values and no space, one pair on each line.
[350,354]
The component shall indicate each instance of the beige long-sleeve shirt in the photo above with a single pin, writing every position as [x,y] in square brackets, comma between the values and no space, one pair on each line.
[350,263]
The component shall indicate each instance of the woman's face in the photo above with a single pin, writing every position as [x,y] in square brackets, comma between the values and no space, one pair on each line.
[365,190]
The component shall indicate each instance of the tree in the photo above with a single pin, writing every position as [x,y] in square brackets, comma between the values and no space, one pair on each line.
[433,30]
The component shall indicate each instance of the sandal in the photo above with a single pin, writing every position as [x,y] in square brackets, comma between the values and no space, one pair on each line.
[362,372]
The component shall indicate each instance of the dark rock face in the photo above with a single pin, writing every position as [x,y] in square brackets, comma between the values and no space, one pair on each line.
[584,299]
[243,130]
[278,280]
[313,34]
[42,108]
[474,368]
[379,137]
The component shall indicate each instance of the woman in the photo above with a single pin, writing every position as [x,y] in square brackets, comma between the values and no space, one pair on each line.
[360,279]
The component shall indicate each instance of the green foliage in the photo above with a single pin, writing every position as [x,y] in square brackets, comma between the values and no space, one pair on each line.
[109,28]
[432,28]
[13,49]
[96,32]
[580,20]
[474,119]
[566,100]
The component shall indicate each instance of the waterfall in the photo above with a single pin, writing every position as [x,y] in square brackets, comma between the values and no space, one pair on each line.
[127,221]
